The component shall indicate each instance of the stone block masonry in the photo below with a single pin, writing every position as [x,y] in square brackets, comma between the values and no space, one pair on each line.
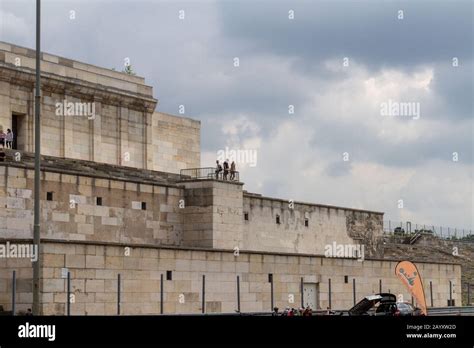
[213,214]
[94,269]
[305,227]
[140,212]
[124,129]
[88,201]
[176,143]
[91,208]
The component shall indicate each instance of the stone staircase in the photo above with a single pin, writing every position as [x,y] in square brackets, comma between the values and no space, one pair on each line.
[415,238]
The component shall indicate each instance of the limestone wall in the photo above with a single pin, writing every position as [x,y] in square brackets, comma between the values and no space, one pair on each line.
[326,225]
[123,129]
[75,214]
[94,270]
[203,213]
[24,282]
[91,240]
[213,215]
[176,143]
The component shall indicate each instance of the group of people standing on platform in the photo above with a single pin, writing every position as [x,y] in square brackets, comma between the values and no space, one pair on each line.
[226,169]
[6,139]
[294,312]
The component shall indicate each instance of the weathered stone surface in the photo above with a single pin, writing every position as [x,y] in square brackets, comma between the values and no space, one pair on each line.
[114,120]
[141,285]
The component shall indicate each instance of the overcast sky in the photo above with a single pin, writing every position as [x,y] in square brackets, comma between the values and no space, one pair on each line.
[336,62]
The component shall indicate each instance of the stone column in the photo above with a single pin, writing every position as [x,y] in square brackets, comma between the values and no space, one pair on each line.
[148,140]
[96,132]
[62,135]
[122,140]
[68,134]
[5,108]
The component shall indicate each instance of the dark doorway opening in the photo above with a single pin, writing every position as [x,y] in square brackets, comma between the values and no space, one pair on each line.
[20,131]
[15,130]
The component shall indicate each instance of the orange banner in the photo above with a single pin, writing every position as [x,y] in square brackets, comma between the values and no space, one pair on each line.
[409,275]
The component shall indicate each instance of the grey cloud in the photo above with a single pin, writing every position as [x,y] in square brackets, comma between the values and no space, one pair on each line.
[368,31]
[363,145]
[336,169]
[454,86]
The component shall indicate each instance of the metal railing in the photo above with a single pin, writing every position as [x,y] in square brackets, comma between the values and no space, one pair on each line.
[410,229]
[208,173]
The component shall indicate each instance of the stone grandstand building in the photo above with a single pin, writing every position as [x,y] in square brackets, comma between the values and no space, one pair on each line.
[119,196]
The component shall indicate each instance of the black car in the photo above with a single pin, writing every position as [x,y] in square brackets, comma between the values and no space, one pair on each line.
[368,302]
[397,309]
